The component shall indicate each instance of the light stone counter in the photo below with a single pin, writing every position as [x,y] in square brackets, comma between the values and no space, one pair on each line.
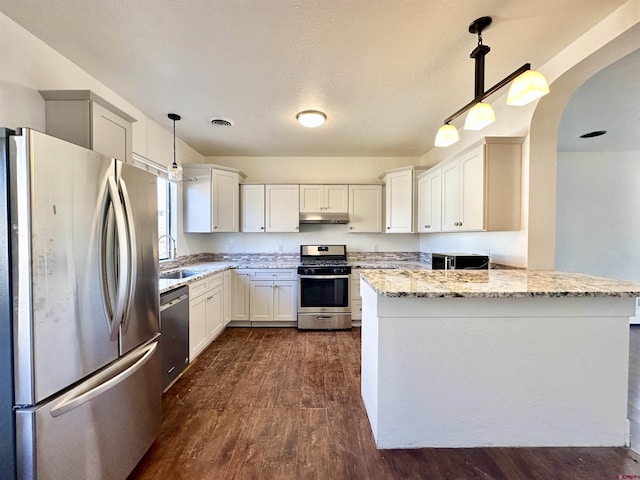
[494,284]
[495,358]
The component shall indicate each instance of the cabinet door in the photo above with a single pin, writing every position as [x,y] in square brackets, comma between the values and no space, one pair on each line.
[450,197]
[111,135]
[399,202]
[197,325]
[198,208]
[430,202]
[214,322]
[365,208]
[282,208]
[240,294]
[336,198]
[261,301]
[252,208]
[227,286]
[472,190]
[311,198]
[226,200]
[285,296]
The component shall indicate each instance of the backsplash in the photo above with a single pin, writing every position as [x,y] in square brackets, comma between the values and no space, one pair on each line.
[257,258]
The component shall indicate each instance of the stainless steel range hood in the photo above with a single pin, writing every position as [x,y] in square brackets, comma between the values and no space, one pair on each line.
[323,217]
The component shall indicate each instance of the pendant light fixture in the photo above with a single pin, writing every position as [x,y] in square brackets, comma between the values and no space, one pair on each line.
[528,85]
[175,170]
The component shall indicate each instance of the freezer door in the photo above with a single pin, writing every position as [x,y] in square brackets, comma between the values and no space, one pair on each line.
[142,313]
[62,330]
[100,429]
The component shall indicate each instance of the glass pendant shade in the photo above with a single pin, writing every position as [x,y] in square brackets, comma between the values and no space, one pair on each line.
[526,88]
[447,135]
[480,115]
[174,172]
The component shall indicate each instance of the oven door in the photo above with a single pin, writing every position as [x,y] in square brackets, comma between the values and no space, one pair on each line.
[323,293]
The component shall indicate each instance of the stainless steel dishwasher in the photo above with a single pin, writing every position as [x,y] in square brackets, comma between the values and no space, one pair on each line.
[174,341]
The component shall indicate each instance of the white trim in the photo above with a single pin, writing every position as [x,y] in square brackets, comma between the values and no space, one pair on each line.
[149,165]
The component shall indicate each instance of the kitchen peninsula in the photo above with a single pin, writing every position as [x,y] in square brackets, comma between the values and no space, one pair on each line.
[495,358]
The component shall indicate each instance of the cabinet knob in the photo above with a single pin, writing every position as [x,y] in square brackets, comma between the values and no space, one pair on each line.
[350,228]
[215,227]
[261,228]
[427,226]
[388,228]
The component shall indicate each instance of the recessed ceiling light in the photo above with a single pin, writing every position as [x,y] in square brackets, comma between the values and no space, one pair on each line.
[595,133]
[221,122]
[311,118]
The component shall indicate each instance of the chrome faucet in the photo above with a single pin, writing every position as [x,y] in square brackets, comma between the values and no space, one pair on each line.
[172,251]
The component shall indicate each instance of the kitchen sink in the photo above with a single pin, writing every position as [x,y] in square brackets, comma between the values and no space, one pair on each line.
[178,274]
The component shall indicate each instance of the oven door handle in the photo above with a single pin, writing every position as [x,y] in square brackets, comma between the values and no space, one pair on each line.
[324,277]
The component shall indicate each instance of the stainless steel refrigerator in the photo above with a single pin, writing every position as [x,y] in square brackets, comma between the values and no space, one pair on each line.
[82,292]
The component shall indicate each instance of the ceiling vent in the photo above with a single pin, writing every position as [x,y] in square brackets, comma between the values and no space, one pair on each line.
[221,122]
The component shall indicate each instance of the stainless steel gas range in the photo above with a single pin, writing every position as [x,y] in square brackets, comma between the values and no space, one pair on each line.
[324,300]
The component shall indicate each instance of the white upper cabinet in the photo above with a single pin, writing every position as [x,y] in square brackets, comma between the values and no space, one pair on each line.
[282,208]
[84,118]
[252,208]
[481,187]
[212,201]
[400,199]
[324,198]
[430,201]
[365,208]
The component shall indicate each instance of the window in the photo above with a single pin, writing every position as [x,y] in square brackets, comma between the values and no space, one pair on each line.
[166,195]
[167,205]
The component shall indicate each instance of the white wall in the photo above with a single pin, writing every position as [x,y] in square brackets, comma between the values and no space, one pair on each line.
[309,235]
[598,224]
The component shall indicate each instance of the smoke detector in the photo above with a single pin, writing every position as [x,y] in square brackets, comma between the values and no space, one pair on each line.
[221,122]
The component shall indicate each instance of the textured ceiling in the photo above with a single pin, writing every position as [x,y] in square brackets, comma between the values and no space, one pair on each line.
[385,72]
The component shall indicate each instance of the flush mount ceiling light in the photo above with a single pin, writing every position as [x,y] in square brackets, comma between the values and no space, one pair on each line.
[311,118]
[528,85]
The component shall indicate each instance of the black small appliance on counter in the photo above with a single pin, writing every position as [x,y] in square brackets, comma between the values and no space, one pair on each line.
[459,261]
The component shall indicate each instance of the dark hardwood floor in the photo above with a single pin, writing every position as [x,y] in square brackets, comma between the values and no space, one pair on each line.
[283,404]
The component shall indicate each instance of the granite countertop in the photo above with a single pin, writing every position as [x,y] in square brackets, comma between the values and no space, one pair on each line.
[205,269]
[494,284]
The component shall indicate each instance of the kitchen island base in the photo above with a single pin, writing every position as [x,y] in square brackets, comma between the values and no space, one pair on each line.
[478,372]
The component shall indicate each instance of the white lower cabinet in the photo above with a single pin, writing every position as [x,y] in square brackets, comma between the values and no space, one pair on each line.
[356,299]
[273,297]
[240,297]
[206,312]
[227,288]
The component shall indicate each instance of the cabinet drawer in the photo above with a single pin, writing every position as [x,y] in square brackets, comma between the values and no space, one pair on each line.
[197,288]
[214,280]
[273,274]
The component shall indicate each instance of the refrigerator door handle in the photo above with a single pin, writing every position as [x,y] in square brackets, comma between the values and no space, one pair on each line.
[104,381]
[133,254]
[123,259]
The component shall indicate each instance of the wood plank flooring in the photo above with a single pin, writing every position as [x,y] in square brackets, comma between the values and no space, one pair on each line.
[283,404]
